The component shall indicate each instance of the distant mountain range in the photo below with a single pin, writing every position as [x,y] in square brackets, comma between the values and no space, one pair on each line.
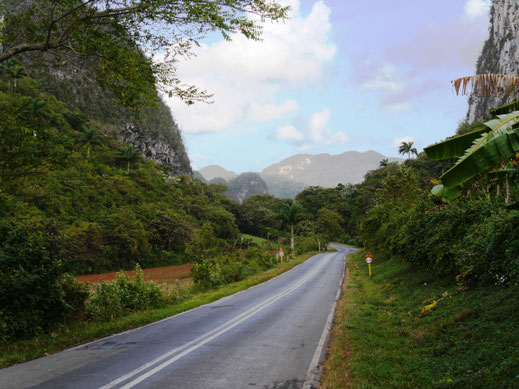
[290,176]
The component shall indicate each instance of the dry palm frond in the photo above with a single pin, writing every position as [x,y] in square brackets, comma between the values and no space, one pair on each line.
[491,85]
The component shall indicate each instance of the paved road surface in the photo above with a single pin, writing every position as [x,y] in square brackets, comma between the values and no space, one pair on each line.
[269,336]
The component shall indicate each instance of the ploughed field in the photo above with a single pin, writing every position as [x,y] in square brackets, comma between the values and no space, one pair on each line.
[165,274]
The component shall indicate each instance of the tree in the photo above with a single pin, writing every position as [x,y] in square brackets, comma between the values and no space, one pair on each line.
[329,224]
[407,148]
[121,37]
[291,214]
[383,163]
[129,154]
[14,71]
[91,137]
[484,148]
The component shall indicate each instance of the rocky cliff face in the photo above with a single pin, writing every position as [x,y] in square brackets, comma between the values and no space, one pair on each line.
[153,131]
[500,54]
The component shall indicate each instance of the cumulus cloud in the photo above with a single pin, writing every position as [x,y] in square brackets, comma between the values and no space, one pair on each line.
[288,132]
[269,112]
[314,132]
[476,8]
[318,125]
[246,76]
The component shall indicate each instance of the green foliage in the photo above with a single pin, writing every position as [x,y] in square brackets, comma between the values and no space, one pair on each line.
[111,300]
[66,182]
[491,250]
[203,245]
[479,152]
[31,297]
[224,269]
[109,34]
[329,224]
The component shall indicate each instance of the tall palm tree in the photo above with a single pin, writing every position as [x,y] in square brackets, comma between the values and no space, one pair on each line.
[291,214]
[91,137]
[383,163]
[129,154]
[14,70]
[407,148]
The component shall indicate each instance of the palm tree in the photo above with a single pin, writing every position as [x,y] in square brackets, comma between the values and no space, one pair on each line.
[90,137]
[383,163]
[291,214]
[407,148]
[14,70]
[129,154]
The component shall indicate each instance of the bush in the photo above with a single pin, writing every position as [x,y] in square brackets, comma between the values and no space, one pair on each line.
[76,295]
[32,300]
[434,236]
[225,269]
[490,253]
[121,296]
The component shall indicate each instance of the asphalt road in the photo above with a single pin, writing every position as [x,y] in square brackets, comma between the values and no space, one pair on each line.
[271,336]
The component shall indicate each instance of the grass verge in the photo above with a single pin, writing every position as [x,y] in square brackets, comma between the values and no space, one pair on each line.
[81,332]
[382,339]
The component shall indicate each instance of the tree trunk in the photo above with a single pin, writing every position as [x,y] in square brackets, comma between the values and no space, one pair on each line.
[292,237]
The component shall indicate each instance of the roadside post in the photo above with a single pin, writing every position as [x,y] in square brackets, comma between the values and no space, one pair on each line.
[281,254]
[319,245]
[369,260]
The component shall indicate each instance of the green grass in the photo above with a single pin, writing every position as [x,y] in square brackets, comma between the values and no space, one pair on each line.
[81,332]
[255,239]
[381,338]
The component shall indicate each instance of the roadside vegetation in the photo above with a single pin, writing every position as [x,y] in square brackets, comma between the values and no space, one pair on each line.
[125,303]
[406,328]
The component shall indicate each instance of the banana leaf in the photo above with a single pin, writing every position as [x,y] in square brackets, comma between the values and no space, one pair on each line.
[446,194]
[464,145]
[486,156]
[453,147]
[508,108]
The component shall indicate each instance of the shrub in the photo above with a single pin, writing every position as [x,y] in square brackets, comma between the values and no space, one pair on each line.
[76,295]
[490,253]
[32,299]
[121,296]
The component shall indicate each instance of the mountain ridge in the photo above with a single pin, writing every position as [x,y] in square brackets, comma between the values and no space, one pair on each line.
[324,169]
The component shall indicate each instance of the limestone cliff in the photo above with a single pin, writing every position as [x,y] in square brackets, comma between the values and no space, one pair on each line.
[500,54]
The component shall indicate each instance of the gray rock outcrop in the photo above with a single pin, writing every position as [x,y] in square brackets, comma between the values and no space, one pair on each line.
[500,54]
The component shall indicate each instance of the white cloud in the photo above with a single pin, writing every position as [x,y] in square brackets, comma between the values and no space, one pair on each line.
[339,137]
[476,8]
[399,108]
[288,132]
[269,112]
[318,125]
[314,132]
[246,76]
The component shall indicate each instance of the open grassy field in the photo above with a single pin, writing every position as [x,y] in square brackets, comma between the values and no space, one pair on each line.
[404,329]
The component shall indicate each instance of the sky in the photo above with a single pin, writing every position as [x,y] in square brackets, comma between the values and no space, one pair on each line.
[339,75]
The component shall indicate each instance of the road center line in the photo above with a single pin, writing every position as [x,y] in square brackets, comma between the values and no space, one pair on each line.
[207,337]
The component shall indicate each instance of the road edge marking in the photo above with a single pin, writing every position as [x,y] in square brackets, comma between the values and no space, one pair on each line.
[313,373]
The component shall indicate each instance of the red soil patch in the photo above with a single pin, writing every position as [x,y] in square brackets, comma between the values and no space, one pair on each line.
[166,274]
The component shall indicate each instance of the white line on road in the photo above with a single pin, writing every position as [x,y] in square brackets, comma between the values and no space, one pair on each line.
[207,337]
[312,374]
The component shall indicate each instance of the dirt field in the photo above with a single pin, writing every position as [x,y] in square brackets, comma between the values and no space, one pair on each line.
[166,274]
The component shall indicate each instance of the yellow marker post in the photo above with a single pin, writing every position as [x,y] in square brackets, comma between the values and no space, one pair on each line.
[281,254]
[369,259]
[319,245]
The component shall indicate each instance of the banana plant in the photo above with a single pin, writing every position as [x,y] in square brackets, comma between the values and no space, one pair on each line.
[478,152]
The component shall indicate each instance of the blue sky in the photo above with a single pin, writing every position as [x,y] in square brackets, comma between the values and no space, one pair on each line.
[339,75]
